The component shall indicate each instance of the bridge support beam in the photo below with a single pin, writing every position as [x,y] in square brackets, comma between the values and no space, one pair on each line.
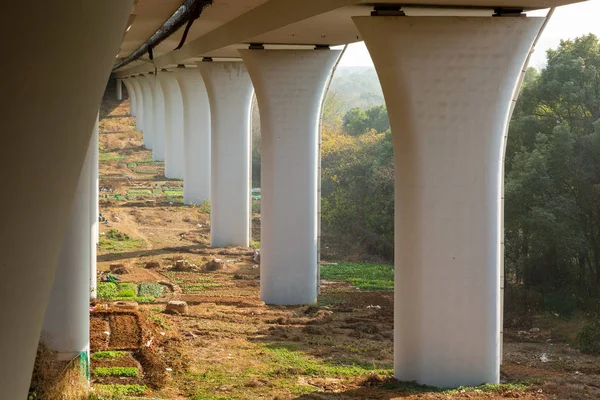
[119,83]
[174,158]
[50,121]
[158,119]
[148,108]
[131,95]
[196,136]
[230,95]
[448,84]
[289,88]
[67,323]
[139,104]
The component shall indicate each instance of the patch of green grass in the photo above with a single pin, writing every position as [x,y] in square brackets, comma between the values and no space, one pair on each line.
[291,361]
[151,289]
[365,276]
[109,156]
[303,389]
[131,372]
[113,240]
[117,390]
[106,290]
[211,397]
[109,354]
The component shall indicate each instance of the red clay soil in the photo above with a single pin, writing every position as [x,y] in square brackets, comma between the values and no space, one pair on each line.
[125,332]
[98,337]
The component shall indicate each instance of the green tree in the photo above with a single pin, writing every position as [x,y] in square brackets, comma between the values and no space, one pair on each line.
[552,184]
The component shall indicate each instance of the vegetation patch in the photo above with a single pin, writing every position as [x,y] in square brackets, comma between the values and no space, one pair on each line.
[130,372]
[106,290]
[588,339]
[365,276]
[127,289]
[139,299]
[151,289]
[291,361]
[113,240]
[112,391]
[107,355]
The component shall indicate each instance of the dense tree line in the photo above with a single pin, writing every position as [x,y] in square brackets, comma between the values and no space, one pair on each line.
[552,183]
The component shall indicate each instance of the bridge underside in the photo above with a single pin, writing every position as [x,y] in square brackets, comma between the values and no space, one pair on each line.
[448,68]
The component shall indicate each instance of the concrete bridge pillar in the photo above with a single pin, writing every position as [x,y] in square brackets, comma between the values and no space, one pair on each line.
[119,89]
[131,94]
[50,118]
[289,88]
[196,136]
[448,84]
[139,104]
[67,323]
[230,95]
[174,158]
[148,109]
[158,119]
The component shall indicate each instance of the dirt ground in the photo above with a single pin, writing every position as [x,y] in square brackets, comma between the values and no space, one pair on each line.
[230,345]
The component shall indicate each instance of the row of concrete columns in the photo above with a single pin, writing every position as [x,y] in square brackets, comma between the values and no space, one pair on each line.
[447,89]
[448,83]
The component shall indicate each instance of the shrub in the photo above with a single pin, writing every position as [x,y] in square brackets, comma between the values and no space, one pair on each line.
[588,338]
[151,289]
[106,290]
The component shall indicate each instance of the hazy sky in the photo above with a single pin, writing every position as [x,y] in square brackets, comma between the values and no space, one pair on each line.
[568,22]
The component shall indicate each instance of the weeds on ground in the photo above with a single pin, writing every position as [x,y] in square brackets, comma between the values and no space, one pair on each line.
[106,392]
[204,208]
[107,355]
[116,371]
[116,241]
[291,361]
[365,276]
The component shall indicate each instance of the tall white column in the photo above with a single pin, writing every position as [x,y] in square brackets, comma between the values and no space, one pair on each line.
[50,119]
[158,118]
[147,114]
[174,159]
[119,83]
[289,88]
[139,104]
[67,322]
[196,136]
[95,209]
[230,95]
[131,94]
[448,83]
